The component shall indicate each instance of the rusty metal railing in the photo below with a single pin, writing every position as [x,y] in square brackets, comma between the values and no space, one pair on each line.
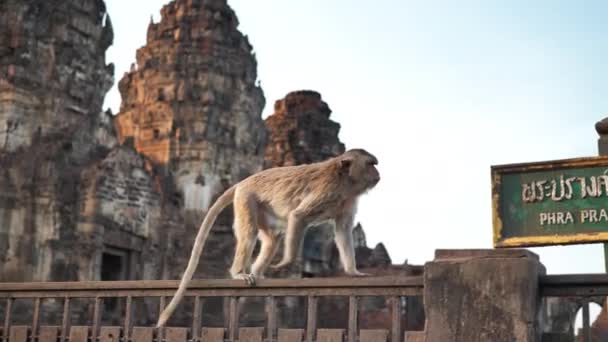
[391,287]
[581,289]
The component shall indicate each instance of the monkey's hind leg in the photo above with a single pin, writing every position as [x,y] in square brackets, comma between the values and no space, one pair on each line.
[245,231]
[242,258]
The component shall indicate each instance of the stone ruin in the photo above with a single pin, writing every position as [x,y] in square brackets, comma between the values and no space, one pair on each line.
[86,195]
[53,78]
[300,131]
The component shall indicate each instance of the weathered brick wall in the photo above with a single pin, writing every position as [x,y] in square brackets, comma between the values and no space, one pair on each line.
[121,191]
[53,72]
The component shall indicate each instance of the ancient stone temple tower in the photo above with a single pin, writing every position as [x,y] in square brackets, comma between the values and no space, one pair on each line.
[53,78]
[191,101]
[300,130]
[191,105]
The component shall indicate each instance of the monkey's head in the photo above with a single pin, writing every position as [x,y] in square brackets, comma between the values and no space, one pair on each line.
[360,168]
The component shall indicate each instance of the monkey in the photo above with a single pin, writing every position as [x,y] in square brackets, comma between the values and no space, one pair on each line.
[280,203]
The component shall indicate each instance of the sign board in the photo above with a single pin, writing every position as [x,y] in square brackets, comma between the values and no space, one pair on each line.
[550,203]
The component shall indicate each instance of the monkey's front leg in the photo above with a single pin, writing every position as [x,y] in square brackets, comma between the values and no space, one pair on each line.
[346,247]
[293,239]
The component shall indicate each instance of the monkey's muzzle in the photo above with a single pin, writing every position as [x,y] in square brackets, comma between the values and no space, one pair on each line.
[374,181]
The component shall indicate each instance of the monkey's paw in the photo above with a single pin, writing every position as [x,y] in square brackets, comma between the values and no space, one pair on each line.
[248,278]
[359,274]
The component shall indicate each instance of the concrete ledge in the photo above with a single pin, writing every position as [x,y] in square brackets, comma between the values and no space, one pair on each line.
[442,254]
[482,295]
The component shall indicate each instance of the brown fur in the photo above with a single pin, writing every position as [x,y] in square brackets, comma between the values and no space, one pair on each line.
[285,201]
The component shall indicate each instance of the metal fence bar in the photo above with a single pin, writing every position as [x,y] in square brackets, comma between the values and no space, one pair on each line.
[65,321]
[384,286]
[35,319]
[311,319]
[396,319]
[233,318]
[271,312]
[197,319]
[162,302]
[96,317]
[128,315]
[252,292]
[586,323]
[574,285]
[7,317]
[352,319]
[217,284]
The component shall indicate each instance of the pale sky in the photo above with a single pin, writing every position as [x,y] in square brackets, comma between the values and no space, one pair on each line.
[438,90]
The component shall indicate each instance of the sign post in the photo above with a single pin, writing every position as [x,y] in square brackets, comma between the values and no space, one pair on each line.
[601,127]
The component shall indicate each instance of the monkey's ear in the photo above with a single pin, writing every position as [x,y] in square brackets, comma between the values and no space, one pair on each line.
[345,165]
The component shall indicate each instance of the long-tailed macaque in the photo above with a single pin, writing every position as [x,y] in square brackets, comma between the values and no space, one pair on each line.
[285,201]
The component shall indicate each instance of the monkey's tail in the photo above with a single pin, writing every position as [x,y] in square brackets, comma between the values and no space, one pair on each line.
[222,202]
